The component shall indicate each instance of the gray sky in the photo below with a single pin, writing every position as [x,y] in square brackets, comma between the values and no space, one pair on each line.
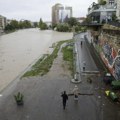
[35,9]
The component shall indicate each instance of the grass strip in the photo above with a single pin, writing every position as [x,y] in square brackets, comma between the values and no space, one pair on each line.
[43,65]
[68,56]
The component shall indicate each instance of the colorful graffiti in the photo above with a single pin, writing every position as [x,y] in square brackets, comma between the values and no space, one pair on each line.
[111,57]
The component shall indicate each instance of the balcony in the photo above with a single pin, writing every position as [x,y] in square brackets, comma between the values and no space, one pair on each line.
[101,8]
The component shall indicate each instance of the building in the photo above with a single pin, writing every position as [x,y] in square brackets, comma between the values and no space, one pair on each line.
[3,22]
[60,13]
[100,13]
[118,9]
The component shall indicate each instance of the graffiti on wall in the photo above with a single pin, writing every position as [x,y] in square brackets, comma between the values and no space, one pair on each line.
[111,57]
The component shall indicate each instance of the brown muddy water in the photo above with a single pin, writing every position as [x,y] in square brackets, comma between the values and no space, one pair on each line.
[20,49]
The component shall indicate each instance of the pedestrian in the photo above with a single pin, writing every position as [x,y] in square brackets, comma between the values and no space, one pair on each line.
[84,64]
[64,98]
[76,92]
[81,43]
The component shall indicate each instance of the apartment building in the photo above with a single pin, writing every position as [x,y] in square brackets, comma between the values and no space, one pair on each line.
[103,12]
[118,9]
[3,22]
[60,13]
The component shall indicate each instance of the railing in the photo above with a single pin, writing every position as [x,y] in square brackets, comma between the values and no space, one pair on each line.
[100,8]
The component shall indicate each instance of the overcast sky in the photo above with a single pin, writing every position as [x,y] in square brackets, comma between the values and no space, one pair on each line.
[35,9]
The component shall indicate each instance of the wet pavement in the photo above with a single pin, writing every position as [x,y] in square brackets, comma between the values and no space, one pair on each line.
[42,95]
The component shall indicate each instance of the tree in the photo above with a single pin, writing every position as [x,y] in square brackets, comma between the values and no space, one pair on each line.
[114,17]
[42,25]
[87,20]
[14,24]
[72,21]
[54,25]
[63,27]
[9,27]
[35,24]
[102,2]
[27,24]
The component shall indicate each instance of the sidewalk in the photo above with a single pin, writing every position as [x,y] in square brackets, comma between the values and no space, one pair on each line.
[83,59]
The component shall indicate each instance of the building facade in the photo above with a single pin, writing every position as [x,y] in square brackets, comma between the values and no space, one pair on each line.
[118,9]
[3,22]
[60,13]
[100,13]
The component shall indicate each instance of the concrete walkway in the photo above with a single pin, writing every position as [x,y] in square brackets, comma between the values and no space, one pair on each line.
[83,59]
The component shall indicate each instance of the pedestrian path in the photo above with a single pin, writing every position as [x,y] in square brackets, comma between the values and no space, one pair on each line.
[84,61]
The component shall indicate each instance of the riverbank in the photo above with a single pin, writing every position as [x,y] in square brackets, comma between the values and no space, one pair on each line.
[20,49]
[43,65]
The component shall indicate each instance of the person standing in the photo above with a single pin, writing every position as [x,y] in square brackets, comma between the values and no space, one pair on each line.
[76,92]
[64,98]
[81,43]
[84,65]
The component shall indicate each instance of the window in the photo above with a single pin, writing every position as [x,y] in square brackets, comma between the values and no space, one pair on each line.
[111,2]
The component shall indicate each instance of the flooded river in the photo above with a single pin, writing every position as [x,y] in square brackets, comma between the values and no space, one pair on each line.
[19,49]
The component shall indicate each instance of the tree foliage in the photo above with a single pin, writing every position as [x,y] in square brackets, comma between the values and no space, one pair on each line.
[63,27]
[102,2]
[42,25]
[114,17]
[14,24]
[87,20]
[72,21]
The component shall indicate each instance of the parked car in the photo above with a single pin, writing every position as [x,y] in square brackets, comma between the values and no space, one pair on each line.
[108,78]
[115,84]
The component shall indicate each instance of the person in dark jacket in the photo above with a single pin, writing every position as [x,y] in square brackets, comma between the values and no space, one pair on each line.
[64,98]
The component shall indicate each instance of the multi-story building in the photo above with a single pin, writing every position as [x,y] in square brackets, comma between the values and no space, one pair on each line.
[118,9]
[3,22]
[60,13]
[104,12]
[57,10]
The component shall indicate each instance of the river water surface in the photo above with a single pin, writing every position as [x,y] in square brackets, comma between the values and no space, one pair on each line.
[19,49]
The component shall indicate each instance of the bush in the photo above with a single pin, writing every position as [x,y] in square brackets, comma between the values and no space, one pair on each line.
[63,27]
[19,98]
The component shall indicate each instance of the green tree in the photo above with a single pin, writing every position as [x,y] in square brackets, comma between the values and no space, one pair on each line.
[35,24]
[114,17]
[9,27]
[63,27]
[72,21]
[54,25]
[42,25]
[21,26]
[87,20]
[102,2]
[26,24]
[14,24]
